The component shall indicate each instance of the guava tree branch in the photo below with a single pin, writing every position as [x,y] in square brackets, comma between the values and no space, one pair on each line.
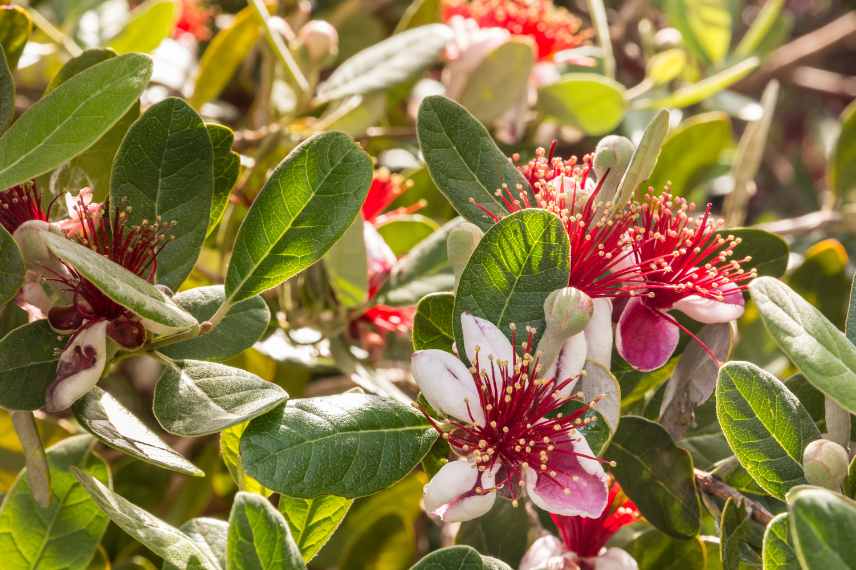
[711,485]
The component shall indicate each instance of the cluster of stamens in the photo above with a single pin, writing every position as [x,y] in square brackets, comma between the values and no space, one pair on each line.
[552,28]
[386,187]
[20,204]
[528,420]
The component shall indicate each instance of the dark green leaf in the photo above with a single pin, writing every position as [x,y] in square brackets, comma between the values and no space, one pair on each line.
[768,251]
[518,262]
[386,63]
[433,326]
[89,104]
[7,92]
[740,545]
[77,64]
[65,534]
[259,537]
[313,521]
[822,524]
[349,445]
[502,532]
[657,475]
[15,27]
[451,558]
[765,425]
[164,172]
[227,165]
[196,398]
[306,205]
[500,81]
[778,551]
[11,267]
[28,356]
[654,550]
[463,160]
[119,284]
[103,416]
[242,326]
[592,102]
[841,173]
[825,356]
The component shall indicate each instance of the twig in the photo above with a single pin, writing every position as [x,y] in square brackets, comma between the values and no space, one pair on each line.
[713,486]
[822,219]
[823,81]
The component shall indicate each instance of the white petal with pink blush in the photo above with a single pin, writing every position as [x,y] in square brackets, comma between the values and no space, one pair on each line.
[447,384]
[488,338]
[451,493]
[710,311]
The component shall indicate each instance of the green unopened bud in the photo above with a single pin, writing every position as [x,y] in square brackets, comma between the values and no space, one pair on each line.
[567,312]
[320,42]
[825,464]
[460,245]
[612,154]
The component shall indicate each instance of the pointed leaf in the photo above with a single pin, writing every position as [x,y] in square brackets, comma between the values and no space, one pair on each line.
[313,521]
[210,535]
[150,24]
[779,551]
[259,537]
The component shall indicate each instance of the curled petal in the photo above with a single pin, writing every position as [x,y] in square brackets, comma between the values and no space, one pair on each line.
[709,311]
[447,384]
[598,333]
[487,337]
[569,363]
[79,368]
[644,337]
[30,239]
[545,553]
[571,485]
[614,559]
[451,492]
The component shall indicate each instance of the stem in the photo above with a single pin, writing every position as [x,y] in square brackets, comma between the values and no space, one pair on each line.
[713,486]
[280,49]
[601,27]
[54,33]
[38,472]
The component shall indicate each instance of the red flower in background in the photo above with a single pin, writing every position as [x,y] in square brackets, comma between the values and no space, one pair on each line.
[587,536]
[194,19]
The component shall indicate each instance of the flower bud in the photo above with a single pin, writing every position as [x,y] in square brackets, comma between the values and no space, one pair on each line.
[460,245]
[567,311]
[825,464]
[613,154]
[320,41]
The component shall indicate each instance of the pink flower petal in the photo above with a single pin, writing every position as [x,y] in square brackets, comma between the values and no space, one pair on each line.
[644,337]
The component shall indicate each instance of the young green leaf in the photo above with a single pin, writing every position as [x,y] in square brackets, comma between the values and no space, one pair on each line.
[592,102]
[705,26]
[242,326]
[822,524]
[28,356]
[433,325]
[11,267]
[403,232]
[464,162]
[15,28]
[71,118]
[65,534]
[196,398]
[259,537]
[227,166]
[150,24]
[103,416]
[500,81]
[306,205]
[119,284]
[166,541]
[707,87]
[518,262]
[164,172]
[386,63]
[313,521]
[349,445]
[765,425]
[657,475]
[210,535]
[778,550]
[825,356]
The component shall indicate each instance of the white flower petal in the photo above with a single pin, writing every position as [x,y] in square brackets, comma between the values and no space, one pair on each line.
[484,334]
[599,333]
[569,363]
[79,368]
[447,384]
[708,311]
[614,559]
[542,552]
[450,494]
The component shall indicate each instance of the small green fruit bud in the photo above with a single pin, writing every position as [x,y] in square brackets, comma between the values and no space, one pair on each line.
[613,154]
[320,41]
[460,245]
[825,464]
[567,311]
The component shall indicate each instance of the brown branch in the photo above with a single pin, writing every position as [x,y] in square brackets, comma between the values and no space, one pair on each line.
[713,486]
[823,81]
[829,220]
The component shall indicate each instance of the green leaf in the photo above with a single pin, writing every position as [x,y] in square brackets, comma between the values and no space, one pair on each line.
[452,558]
[643,160]
[592,102]
[420,13]
[386,63]
[697,144]
[28,356]
[502,532]
[705,26]
[227,166]
[740,545]
[210,535]
[768,251]
[313,521]
[762,26]
[119,284]
[11,267]
[77,64]
[7,92]
[404,232]
[164,172]
[654,550]
[850,324]
[707,87]
[518,262]
[348,267]
[822,524]
[15,28]
[196,398]
[765,425]
[89,104]
[240,328]
[103,416]
[841,172]
[501,79]
[433,325]
[778,553]
[226,51]
[463,160]
[150,24]
[423,270]
[65,534]
[657,475]
[349,445]
[164,540]
[822,352]
[666,65]
[259,537]
[306,205]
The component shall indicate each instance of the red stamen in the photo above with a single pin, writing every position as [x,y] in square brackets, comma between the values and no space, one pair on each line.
[20,204]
